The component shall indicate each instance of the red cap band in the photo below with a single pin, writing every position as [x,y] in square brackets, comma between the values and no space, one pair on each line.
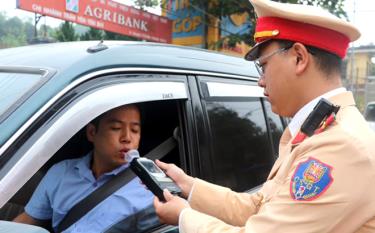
[308,34]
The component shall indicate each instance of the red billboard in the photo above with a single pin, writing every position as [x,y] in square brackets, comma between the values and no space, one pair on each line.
[106,15]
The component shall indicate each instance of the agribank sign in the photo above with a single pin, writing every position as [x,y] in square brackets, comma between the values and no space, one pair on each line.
[106,15]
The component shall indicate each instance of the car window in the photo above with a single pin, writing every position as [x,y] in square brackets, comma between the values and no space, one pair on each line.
[13,87]
[275,125]
[370,112]
[240,143]
[64,124]
[238,134]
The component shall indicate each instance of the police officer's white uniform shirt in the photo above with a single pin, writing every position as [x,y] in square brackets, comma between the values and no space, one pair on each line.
[302,114]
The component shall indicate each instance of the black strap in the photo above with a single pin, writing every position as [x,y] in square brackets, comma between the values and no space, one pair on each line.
[89,202]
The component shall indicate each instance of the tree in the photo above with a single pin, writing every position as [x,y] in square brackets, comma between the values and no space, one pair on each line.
[12,32]
[93,34]
[218,9]
[116,36]
[66,32]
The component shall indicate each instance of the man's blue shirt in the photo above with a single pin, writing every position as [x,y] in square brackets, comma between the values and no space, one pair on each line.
[69,181]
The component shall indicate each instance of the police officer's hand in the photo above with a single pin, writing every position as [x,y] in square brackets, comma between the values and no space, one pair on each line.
[184,181]
[169,211]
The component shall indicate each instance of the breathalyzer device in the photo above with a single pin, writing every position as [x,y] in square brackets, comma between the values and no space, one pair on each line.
[152,176]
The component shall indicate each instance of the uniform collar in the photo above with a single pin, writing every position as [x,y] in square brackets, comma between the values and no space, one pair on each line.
[302,114]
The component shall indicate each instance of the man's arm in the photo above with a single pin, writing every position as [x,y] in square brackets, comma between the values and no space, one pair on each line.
[27,219]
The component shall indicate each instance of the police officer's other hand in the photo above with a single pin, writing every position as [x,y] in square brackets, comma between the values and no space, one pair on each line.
[169,211]
[184,181]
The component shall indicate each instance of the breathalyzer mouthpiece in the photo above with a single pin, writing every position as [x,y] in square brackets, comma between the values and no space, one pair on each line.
[130,155]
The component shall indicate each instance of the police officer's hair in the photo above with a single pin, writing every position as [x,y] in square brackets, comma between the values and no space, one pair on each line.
[327,62]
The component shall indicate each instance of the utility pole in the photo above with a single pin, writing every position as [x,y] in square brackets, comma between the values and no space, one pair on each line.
[36,21]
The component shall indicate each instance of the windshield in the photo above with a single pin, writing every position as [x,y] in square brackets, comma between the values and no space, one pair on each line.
[14,88]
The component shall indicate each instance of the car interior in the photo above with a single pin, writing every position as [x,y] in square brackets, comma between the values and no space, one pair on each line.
[160,121]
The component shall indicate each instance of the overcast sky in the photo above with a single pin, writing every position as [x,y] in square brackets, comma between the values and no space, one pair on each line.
[361,13]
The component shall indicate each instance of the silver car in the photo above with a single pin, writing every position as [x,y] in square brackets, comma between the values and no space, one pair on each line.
[370,114]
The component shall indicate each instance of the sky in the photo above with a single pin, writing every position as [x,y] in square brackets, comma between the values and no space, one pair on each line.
[361,13]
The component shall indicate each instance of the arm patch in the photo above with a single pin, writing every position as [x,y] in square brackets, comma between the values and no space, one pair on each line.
[310,180]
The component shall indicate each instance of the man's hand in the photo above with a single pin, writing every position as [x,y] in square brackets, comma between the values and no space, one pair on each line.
[169,211]
[184,181]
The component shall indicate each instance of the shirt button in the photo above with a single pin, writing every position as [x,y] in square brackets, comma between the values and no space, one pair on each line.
[95,184]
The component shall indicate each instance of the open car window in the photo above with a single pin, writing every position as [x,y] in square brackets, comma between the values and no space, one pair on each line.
[64,131]
[65,122]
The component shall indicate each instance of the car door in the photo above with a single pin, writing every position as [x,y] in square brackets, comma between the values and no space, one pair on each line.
[57,127]
[240,136]
[233,136]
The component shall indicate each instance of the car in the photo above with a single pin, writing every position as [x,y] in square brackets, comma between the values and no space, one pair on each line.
[370,114]
[208,102]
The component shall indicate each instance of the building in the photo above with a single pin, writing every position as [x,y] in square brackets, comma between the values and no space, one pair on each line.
[193,26]
[359,73]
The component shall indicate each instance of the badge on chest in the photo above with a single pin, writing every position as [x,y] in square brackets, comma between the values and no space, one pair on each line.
[310,180]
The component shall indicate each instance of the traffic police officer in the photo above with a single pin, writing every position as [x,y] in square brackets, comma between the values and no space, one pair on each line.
[323,180]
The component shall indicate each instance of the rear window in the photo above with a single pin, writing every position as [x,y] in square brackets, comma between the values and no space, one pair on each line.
[240,143]
[14,88]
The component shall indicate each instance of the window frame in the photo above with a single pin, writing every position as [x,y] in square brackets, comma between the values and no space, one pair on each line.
[207,151]
[31,151]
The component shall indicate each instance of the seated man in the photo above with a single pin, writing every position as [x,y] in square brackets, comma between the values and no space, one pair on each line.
[68,182]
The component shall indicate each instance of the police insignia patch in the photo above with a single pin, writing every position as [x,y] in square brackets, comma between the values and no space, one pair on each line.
[310,180]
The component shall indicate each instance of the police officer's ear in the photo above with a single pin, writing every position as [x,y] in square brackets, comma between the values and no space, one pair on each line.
[301,57]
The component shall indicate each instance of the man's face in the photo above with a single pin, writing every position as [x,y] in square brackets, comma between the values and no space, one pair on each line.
[276,77]
[118,131]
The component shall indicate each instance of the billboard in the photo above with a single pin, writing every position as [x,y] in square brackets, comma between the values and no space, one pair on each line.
[188,24]
[237,24]
[105,15]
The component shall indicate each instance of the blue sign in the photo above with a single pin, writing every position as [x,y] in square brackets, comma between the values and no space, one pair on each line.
[235,24]
[188,21]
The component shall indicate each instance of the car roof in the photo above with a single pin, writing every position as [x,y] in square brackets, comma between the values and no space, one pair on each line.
[75,56]
[69,61]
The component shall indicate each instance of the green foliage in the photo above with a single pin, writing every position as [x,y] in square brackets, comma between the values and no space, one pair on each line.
[95,34]
[13,32]
[115,36]
[217,9]
[45,30]
[92,34]
[66,32]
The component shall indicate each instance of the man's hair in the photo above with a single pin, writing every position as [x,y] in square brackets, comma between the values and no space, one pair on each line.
[327,62]
[96,120]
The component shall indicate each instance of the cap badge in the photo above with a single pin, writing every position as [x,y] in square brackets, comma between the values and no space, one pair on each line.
[266,34]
